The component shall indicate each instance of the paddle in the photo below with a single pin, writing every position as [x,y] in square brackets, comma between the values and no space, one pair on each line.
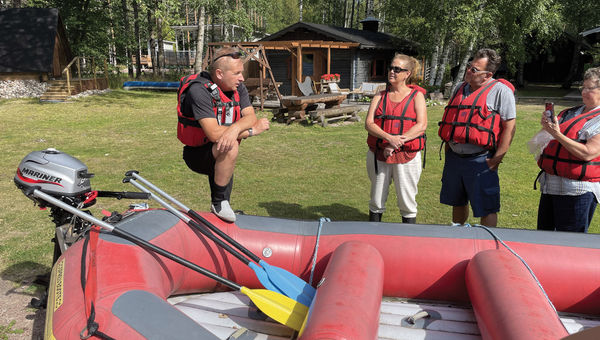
[271,277]
[278,307]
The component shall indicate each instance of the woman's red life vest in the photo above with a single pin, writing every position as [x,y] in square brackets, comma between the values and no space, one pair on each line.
[556,160]
[227,111]
[468,120]
[397,122]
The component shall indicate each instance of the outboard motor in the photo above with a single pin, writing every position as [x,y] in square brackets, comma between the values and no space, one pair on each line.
[67,179]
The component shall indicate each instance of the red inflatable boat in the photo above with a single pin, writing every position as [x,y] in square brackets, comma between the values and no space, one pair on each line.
[372,280]
[357,264]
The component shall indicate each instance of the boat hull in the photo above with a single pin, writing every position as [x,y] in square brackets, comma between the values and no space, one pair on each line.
[419,262]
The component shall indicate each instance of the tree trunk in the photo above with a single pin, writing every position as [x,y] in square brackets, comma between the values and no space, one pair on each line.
[126,37]
[199,40]
[136,29]
[521,74]
[442,68]
[435,56]
[463,66]
[352,15]
[345,13]
[161,49]
[300,8]
[574,64]
[151,41]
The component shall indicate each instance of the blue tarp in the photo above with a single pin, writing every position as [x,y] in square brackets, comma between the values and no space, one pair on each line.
[151,85]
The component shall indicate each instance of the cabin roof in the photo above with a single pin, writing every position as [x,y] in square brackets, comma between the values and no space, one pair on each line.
[365,39]
[27,39]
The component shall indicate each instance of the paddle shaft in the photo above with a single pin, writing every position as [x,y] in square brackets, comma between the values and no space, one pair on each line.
[189,221]
[196,216]
[130,237]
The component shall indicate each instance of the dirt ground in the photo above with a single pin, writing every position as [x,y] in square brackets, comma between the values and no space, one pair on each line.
[14,305]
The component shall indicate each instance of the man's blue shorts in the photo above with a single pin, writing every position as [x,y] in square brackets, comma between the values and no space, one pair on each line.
[469,179]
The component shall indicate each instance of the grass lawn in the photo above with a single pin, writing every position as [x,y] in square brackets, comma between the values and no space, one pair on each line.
[291,171]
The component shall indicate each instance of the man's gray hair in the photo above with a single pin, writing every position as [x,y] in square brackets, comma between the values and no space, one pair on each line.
[493,58]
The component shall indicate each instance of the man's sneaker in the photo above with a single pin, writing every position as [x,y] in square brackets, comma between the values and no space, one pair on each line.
[223,210]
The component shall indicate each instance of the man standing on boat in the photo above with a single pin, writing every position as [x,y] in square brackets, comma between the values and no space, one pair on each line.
[215,114]
[478,127]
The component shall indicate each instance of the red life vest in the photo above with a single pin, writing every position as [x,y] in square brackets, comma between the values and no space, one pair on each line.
[227,111]
[469,121]
[397,122]
[556,160]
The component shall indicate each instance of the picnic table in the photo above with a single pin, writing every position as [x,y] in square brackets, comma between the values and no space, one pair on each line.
[298,107]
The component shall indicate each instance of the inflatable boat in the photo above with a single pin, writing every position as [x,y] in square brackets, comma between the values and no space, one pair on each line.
[370,280]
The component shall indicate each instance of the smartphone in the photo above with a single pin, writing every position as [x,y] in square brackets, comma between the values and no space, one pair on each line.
[549,112]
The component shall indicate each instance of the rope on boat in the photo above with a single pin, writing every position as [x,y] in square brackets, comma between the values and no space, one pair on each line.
[314,259]
[519,257]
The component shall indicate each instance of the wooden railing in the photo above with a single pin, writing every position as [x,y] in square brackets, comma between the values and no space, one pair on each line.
[77,62]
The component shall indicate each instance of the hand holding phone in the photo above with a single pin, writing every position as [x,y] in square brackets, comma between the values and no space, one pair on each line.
[549,112]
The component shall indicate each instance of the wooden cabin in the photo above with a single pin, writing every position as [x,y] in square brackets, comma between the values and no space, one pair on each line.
[357,55]
[33,44]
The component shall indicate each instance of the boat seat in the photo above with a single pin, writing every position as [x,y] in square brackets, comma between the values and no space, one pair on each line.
[155,318]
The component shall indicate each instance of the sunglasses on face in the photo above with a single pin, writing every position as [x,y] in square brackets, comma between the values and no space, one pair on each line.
[473,69]
[234,55]
[397,69]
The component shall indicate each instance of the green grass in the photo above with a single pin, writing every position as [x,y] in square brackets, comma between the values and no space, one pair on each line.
[7,330]
[291,171]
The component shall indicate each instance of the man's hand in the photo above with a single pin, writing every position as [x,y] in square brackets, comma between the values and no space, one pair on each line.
[261,126]
[228,139]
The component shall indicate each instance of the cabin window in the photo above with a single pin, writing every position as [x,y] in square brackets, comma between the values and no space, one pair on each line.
[378,69]
[307,64]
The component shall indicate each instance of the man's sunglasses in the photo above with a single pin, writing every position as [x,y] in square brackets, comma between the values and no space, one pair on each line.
[234,55]
[473,69]
[397,69]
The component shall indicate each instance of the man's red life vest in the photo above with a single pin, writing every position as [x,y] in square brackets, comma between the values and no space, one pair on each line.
[469,121]
[227,111]
[556,160]
[397,122]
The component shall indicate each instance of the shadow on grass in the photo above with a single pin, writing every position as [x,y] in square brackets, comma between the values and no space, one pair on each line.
[336,211]
[31,280]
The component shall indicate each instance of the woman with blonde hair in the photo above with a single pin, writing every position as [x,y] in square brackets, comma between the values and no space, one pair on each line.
[396,123]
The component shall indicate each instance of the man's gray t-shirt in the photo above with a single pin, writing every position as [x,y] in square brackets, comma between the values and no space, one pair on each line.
[199,101]
[500,99]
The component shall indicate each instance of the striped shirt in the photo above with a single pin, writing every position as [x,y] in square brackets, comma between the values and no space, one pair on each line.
[556,185]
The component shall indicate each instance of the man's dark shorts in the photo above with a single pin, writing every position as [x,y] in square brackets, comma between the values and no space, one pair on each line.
[470,180]
[200,159]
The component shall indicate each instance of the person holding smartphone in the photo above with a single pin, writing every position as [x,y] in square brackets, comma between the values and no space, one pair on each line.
[570,176]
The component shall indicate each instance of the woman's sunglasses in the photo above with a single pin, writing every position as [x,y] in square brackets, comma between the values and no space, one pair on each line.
[397,69]
[234,55]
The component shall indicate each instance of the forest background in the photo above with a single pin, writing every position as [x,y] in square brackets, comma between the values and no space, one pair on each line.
[446,31]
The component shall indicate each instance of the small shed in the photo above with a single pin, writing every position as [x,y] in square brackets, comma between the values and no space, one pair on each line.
[308,49]
[33,44]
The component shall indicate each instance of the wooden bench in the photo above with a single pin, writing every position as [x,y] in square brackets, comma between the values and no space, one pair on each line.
[326,116]
[297,107]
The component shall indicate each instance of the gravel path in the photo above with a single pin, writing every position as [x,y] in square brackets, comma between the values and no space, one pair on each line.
[14,306]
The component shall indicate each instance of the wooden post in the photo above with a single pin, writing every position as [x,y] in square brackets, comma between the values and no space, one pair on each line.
[79,74]
[94,73]
[69,81]
[328,60]
[298,66]
[106,73]
[260,82]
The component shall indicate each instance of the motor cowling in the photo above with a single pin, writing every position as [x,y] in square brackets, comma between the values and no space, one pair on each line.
[54,172]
